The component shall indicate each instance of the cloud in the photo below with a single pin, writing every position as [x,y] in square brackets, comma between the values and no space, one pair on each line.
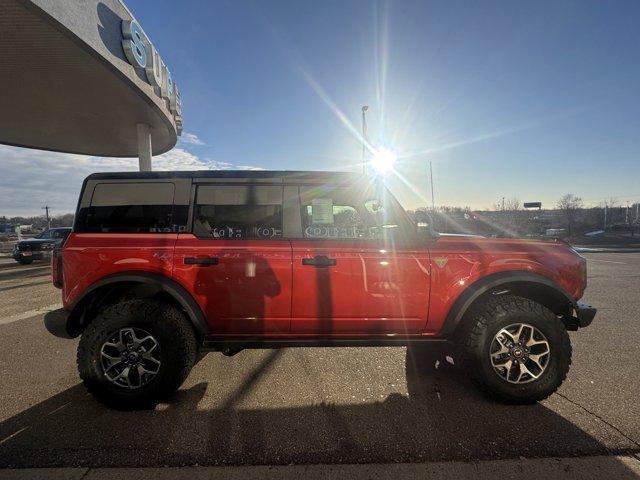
[248,167]
[190,139]
[31,179]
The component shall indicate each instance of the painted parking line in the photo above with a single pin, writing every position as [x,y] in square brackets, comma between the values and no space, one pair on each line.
[622,256]
[607,261]
[31,313]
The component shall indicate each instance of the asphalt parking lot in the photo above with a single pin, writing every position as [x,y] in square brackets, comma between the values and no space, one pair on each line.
[351,405]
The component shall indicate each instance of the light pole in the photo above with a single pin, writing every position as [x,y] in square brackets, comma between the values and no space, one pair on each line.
[46,209]
[626,216]
[364,137]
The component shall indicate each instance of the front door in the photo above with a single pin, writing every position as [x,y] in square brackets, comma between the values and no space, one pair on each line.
[236,261]
[357,270]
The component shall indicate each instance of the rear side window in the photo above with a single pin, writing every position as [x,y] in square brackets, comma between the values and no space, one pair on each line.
[238,212]
[132,208]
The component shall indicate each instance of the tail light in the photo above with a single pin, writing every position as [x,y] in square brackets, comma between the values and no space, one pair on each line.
[56,267]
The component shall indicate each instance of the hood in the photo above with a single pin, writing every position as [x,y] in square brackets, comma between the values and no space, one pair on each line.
[502,244]
[466,235]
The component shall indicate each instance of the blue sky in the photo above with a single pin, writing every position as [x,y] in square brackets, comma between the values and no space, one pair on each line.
[518,99]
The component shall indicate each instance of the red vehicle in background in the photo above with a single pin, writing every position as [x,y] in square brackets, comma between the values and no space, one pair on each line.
[162,266]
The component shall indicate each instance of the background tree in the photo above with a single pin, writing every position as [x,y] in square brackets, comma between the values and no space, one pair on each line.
[512,205]
[569,204]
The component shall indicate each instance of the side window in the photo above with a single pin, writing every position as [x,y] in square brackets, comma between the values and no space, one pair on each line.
[238,212]
[132,208]
[324,219]
[343,213]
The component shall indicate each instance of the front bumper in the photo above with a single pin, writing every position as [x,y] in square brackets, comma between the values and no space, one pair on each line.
[583,317]
[19,254]
[585,314]
[56,322]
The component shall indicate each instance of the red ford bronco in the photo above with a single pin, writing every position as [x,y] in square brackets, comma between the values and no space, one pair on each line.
[162,266]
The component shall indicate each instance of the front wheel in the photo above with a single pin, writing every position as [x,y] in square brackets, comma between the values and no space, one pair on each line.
[136,352]
[516,350]
[24,260]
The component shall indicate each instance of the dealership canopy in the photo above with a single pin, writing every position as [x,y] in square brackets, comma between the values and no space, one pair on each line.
[83,77]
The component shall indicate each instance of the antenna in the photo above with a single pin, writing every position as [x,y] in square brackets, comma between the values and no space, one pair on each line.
[364,137]
[433,201]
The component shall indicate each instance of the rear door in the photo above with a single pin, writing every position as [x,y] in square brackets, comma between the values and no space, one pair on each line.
[236,260]
[357,269]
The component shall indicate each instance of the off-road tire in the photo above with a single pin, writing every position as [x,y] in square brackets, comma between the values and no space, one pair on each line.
[178,350]
[24,261]
[485,321]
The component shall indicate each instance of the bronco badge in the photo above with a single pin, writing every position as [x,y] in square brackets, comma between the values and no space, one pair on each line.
[440,261]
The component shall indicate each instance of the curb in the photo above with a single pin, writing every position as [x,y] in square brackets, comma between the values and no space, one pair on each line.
[583,468]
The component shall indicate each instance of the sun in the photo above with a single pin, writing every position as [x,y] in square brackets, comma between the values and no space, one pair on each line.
[383,160]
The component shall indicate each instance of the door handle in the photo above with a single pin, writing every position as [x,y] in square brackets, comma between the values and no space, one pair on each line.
[202,261]
[320,261]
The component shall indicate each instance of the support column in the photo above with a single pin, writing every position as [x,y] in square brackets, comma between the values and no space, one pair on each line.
[144,147]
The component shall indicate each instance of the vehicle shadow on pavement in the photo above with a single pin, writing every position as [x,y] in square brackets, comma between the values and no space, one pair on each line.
[25,272]
[443,418]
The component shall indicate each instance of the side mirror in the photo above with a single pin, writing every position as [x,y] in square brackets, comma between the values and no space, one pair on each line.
[424,224]
[422,219]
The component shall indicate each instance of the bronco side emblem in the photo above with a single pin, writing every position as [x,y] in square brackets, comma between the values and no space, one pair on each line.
[440,261]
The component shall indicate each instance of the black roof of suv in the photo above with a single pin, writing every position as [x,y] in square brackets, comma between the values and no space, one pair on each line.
[306,176]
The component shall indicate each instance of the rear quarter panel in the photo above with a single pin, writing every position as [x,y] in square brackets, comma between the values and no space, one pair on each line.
[88,257]
[458,262]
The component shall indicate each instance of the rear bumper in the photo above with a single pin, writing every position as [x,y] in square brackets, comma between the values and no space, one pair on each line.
[583,317]
[56,322]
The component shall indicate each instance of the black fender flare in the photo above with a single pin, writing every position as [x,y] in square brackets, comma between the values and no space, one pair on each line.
[493,282]
[170,287]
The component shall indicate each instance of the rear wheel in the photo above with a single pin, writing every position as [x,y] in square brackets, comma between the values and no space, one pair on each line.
[136,352]
[515,349]
[24,260]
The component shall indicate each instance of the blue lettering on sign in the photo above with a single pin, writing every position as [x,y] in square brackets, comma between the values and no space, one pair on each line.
[154,68]
[168,92]
[141,54]
[134,44]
